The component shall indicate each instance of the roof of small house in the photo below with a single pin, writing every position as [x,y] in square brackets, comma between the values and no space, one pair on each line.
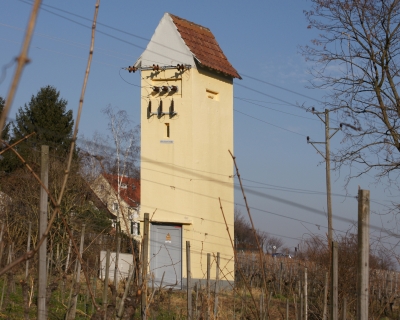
[204,46]
[129,188]
[90,195]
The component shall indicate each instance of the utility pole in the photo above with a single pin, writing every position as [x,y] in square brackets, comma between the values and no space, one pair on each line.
[42,272]
[327,159]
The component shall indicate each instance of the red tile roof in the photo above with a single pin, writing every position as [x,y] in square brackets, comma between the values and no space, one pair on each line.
[130,194]
[203,45]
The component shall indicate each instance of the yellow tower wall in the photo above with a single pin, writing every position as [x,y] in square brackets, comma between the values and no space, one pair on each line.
[184,175]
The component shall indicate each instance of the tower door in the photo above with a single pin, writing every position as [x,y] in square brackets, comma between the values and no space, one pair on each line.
[166,254]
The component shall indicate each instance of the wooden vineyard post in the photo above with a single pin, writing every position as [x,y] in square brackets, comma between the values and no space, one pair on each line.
[42,272]
[208,284]
[334,280]
[363,254]
[188,281]
[105,289]
[305,295]
[28,247]
[74,301]
[116,262]
[216,287]
[325,312]
[344,311]
[145,257]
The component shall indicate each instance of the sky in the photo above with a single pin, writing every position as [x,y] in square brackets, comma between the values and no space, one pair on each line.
[284,176]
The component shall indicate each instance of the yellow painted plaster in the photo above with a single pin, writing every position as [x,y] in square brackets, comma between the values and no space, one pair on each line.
[183,179]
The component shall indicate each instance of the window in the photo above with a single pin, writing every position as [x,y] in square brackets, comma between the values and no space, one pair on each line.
[135,228]
[212,95]
[115,206]
[167,130]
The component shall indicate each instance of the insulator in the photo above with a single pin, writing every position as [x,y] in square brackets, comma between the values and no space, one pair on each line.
[308,139]
[156,67]
[313,109]
[180,67]
[132,69]
[160,111]
[149,110]
[156,89]
[174,88]
[165,88]
[171,109]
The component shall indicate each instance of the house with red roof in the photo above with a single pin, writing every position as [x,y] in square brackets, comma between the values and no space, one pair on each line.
[121,195]
[186,132]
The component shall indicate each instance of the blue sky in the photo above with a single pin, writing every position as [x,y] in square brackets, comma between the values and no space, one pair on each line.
[261,40]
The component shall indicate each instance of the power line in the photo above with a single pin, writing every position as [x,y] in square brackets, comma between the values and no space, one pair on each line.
[271,124]
[282,88]
[268,186]
[170,48]
[248,88]
[276,214]
[70,43]
[284,201]
[147,39]
[270,96]
[288,113]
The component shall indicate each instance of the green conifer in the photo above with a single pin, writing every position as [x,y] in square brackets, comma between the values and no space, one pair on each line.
[47,115]
[5,133]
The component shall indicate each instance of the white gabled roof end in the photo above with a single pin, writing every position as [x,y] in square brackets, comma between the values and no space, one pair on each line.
[166,47]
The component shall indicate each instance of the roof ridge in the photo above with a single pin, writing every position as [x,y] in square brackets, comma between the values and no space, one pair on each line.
[204,46]
[191,22]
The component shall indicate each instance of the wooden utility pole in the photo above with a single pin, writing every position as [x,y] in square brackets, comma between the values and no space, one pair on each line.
[145,258]
[327,159]
[328,175]
[188,281]
[42,272]
[334,283]
[363,254]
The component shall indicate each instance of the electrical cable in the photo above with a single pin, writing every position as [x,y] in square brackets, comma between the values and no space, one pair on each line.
[282,100]
[271,124]
[280,111]
[170,48]
[189,170]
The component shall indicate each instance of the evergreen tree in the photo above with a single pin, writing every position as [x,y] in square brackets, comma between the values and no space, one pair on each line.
[5,134]
[47,115]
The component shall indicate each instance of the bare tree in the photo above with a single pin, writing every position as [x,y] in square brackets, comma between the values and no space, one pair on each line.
[356,61]
[244,236]
[273,244]
[117,154]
